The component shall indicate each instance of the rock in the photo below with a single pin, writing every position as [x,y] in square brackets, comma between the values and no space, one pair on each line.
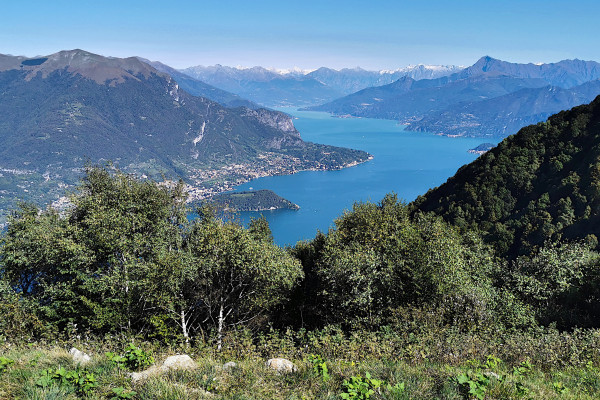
[79,357]
[182,361]
[282,365]
[179,362]
[230,366]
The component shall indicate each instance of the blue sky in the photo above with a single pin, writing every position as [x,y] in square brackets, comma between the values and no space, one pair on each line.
[308,34]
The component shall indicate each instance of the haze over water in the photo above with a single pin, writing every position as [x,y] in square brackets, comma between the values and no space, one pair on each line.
[407,163]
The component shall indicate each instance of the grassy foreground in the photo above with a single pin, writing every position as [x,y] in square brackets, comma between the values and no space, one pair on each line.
[25,371]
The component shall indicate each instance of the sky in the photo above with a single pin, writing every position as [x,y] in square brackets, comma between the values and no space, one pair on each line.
[306,34]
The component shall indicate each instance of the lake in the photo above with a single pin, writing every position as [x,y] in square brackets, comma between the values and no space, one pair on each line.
[406,163]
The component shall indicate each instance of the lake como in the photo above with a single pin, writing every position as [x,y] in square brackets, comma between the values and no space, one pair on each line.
[406,163]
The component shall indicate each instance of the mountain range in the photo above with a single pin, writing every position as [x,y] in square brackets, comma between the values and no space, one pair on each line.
[490,98]
[65,109]
[275,88]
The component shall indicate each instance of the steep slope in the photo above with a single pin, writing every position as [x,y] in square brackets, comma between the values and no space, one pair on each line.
[196,87]
[540,184]
[504,115]
[474,101]
[61,110]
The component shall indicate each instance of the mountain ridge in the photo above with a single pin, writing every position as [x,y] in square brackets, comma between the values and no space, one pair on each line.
[76,106]
[302,88]
[447,105]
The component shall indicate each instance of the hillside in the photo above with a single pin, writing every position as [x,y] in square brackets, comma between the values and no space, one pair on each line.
[541,184]
[72,107]
[490,98]
[196,87]
[505,115]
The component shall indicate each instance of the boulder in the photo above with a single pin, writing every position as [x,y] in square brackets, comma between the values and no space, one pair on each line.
[79,357]
[182,361]
[281,365]
[179,362]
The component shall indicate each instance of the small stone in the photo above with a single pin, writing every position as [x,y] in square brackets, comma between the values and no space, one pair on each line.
[79,357]
[230,366]
[282,365]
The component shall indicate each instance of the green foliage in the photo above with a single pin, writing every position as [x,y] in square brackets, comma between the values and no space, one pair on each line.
[319,366]
[359,387]
[473,384]
[116,359]
[82,382]
[137,358]
[521,390]
[122,393]
[559,387]
[134,358]
[523,369]
[539,185]
[5,363]
[234,275]
[379,258]
[124,258]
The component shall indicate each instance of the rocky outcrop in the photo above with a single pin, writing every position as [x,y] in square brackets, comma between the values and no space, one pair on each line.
[274,119]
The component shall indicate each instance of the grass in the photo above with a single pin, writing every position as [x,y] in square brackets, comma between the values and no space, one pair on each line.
[253,380]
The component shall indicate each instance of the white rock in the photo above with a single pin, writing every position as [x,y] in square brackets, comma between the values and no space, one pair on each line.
[182,361]
[179,362]
[79,357]
[282,365]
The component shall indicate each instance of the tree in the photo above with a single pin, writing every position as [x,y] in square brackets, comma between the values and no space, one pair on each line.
[236,275]
[90,265]
[379,258]
[558,282]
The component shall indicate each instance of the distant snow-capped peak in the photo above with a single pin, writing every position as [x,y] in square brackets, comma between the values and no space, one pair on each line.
[413,67]
[291,71]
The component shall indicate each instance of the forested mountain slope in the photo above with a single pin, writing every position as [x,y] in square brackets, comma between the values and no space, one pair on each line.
[540,184]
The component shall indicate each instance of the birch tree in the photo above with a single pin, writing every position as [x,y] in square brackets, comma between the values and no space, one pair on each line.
[238,275]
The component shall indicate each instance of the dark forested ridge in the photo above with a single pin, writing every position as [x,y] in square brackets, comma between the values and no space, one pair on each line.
[541,184]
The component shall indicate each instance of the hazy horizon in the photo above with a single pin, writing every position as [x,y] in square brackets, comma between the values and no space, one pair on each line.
[336,34]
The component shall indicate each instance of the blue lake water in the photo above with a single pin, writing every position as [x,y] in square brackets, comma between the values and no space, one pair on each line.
[407,163]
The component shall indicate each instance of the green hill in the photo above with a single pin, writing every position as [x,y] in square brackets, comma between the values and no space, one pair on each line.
[260,200]
[541,184]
